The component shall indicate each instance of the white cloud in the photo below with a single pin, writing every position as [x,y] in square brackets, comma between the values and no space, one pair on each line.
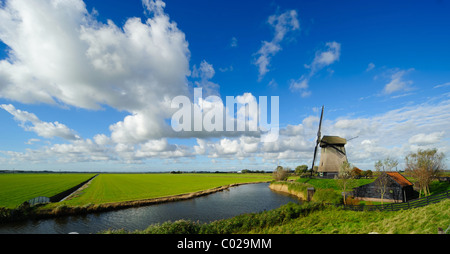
[30,122]
[205,71]
[300,85]
[60,54]
[427,139]
[282,24]
[394,133]
[442,85]
[326,57]
[323,58]
[397,82]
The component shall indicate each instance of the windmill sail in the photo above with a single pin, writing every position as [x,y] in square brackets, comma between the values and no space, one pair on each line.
[319,134]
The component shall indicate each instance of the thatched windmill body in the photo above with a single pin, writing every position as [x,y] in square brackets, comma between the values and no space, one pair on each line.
[332,153]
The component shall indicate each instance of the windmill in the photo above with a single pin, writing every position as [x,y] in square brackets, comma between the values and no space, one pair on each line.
[332,153]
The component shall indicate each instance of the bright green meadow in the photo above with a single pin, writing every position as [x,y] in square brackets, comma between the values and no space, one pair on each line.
[18,188]
[109,188]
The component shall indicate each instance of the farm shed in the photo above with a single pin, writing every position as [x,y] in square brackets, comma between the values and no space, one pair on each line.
[397,189]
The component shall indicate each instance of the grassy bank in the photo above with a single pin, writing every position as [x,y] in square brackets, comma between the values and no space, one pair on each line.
[314,218]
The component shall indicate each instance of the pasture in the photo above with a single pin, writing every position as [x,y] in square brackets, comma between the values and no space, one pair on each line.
[110,188]
[18,188]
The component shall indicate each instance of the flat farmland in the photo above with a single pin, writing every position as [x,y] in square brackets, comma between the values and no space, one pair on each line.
[110,188]
[18,188]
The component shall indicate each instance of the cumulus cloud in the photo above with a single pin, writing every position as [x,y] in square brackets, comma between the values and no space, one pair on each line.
[30,122]
[394,133]
[60,54]
[282,24]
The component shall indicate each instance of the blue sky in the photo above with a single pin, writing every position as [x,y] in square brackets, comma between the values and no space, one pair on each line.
[85,85]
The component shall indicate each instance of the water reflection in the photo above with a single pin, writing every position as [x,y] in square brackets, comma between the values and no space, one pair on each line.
[237,200]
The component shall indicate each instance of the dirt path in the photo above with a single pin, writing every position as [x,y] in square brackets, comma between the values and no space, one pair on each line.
[84,186]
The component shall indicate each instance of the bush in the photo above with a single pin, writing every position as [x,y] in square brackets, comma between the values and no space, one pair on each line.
[241,223]
[351,201]
[327,196]
[280,174]
[177,227]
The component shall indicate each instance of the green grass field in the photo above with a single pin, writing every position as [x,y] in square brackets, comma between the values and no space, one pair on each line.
[109,188]
[18,188]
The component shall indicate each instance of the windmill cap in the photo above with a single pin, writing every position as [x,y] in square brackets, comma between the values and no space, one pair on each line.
[333,140]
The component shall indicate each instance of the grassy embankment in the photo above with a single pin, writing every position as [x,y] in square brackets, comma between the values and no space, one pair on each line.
[314,218]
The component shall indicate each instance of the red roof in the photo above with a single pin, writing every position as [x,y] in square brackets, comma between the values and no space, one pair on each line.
[399,178]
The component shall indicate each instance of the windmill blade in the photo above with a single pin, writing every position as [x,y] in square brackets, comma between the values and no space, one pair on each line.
[314,159]
[319,135]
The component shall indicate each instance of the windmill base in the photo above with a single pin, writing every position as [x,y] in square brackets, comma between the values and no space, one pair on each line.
[327,175]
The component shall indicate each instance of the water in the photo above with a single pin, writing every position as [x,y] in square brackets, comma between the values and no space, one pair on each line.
[237,200]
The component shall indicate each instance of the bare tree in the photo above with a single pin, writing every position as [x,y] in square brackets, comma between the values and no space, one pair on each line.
[382,185]
[424,166]
[382,182]
[386,165]
[280,174]
[345,179]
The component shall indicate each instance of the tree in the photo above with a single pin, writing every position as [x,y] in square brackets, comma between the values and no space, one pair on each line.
[301,169]
[386,165]
[424,166]
[345,179]
[382,182]
[280,174]
[367,173]
[382,185]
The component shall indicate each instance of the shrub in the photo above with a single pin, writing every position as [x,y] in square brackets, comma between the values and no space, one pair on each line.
[280,174]
[327,196]
[177,227]
[351,201]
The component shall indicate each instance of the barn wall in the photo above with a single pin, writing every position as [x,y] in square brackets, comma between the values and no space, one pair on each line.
[393,191]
